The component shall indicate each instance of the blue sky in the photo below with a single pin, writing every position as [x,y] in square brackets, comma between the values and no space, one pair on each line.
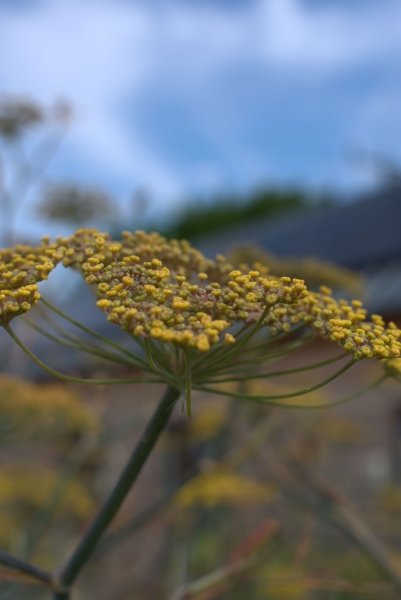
[191,97]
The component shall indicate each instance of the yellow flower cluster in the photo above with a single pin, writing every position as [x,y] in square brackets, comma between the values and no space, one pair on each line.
[177,255]
[341,322]
[168,291]
[145,299]
[83,244]
[21,268]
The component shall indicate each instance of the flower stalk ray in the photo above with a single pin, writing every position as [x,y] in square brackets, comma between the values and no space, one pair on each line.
[55,373]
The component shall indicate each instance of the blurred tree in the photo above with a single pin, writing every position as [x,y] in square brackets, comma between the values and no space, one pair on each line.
[198,218]
[23,163]
[73,204]
[17,116]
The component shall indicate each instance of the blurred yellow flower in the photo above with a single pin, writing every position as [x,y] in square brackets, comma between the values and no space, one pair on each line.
[222,487]
[23,490]
[22,484]
[392,367]
[208,421]
[44,405]
[341,431]
[314,272]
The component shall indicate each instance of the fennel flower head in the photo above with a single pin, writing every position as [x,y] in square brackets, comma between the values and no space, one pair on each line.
[194,318]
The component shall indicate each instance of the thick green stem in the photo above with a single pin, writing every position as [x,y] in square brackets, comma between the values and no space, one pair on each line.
[61,595]
[109,509]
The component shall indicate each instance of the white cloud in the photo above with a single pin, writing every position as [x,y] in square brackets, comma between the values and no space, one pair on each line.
[91,55]
[99,53]
[325,39]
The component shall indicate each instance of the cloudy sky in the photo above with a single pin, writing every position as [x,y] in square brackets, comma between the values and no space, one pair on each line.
[188,97]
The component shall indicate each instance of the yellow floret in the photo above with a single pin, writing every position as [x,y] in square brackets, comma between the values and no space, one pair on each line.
[202,343]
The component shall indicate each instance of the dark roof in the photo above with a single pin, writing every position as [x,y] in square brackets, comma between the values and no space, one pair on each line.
[354,234]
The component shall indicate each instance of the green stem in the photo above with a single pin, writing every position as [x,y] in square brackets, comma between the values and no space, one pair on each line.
[72,466]
[215,351]
[144,518]
[67,377]
[23,567]
[326,404]
[111,506]
[237,346]
[151,362]
[64,332]
[263,398]
[369,388]
[64,595]
[246,365]
[156,348]
[216,367]
[91,332]
[276,339]
[83,347]
[233,459]
[149,357]
[188,382]
[285,372]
